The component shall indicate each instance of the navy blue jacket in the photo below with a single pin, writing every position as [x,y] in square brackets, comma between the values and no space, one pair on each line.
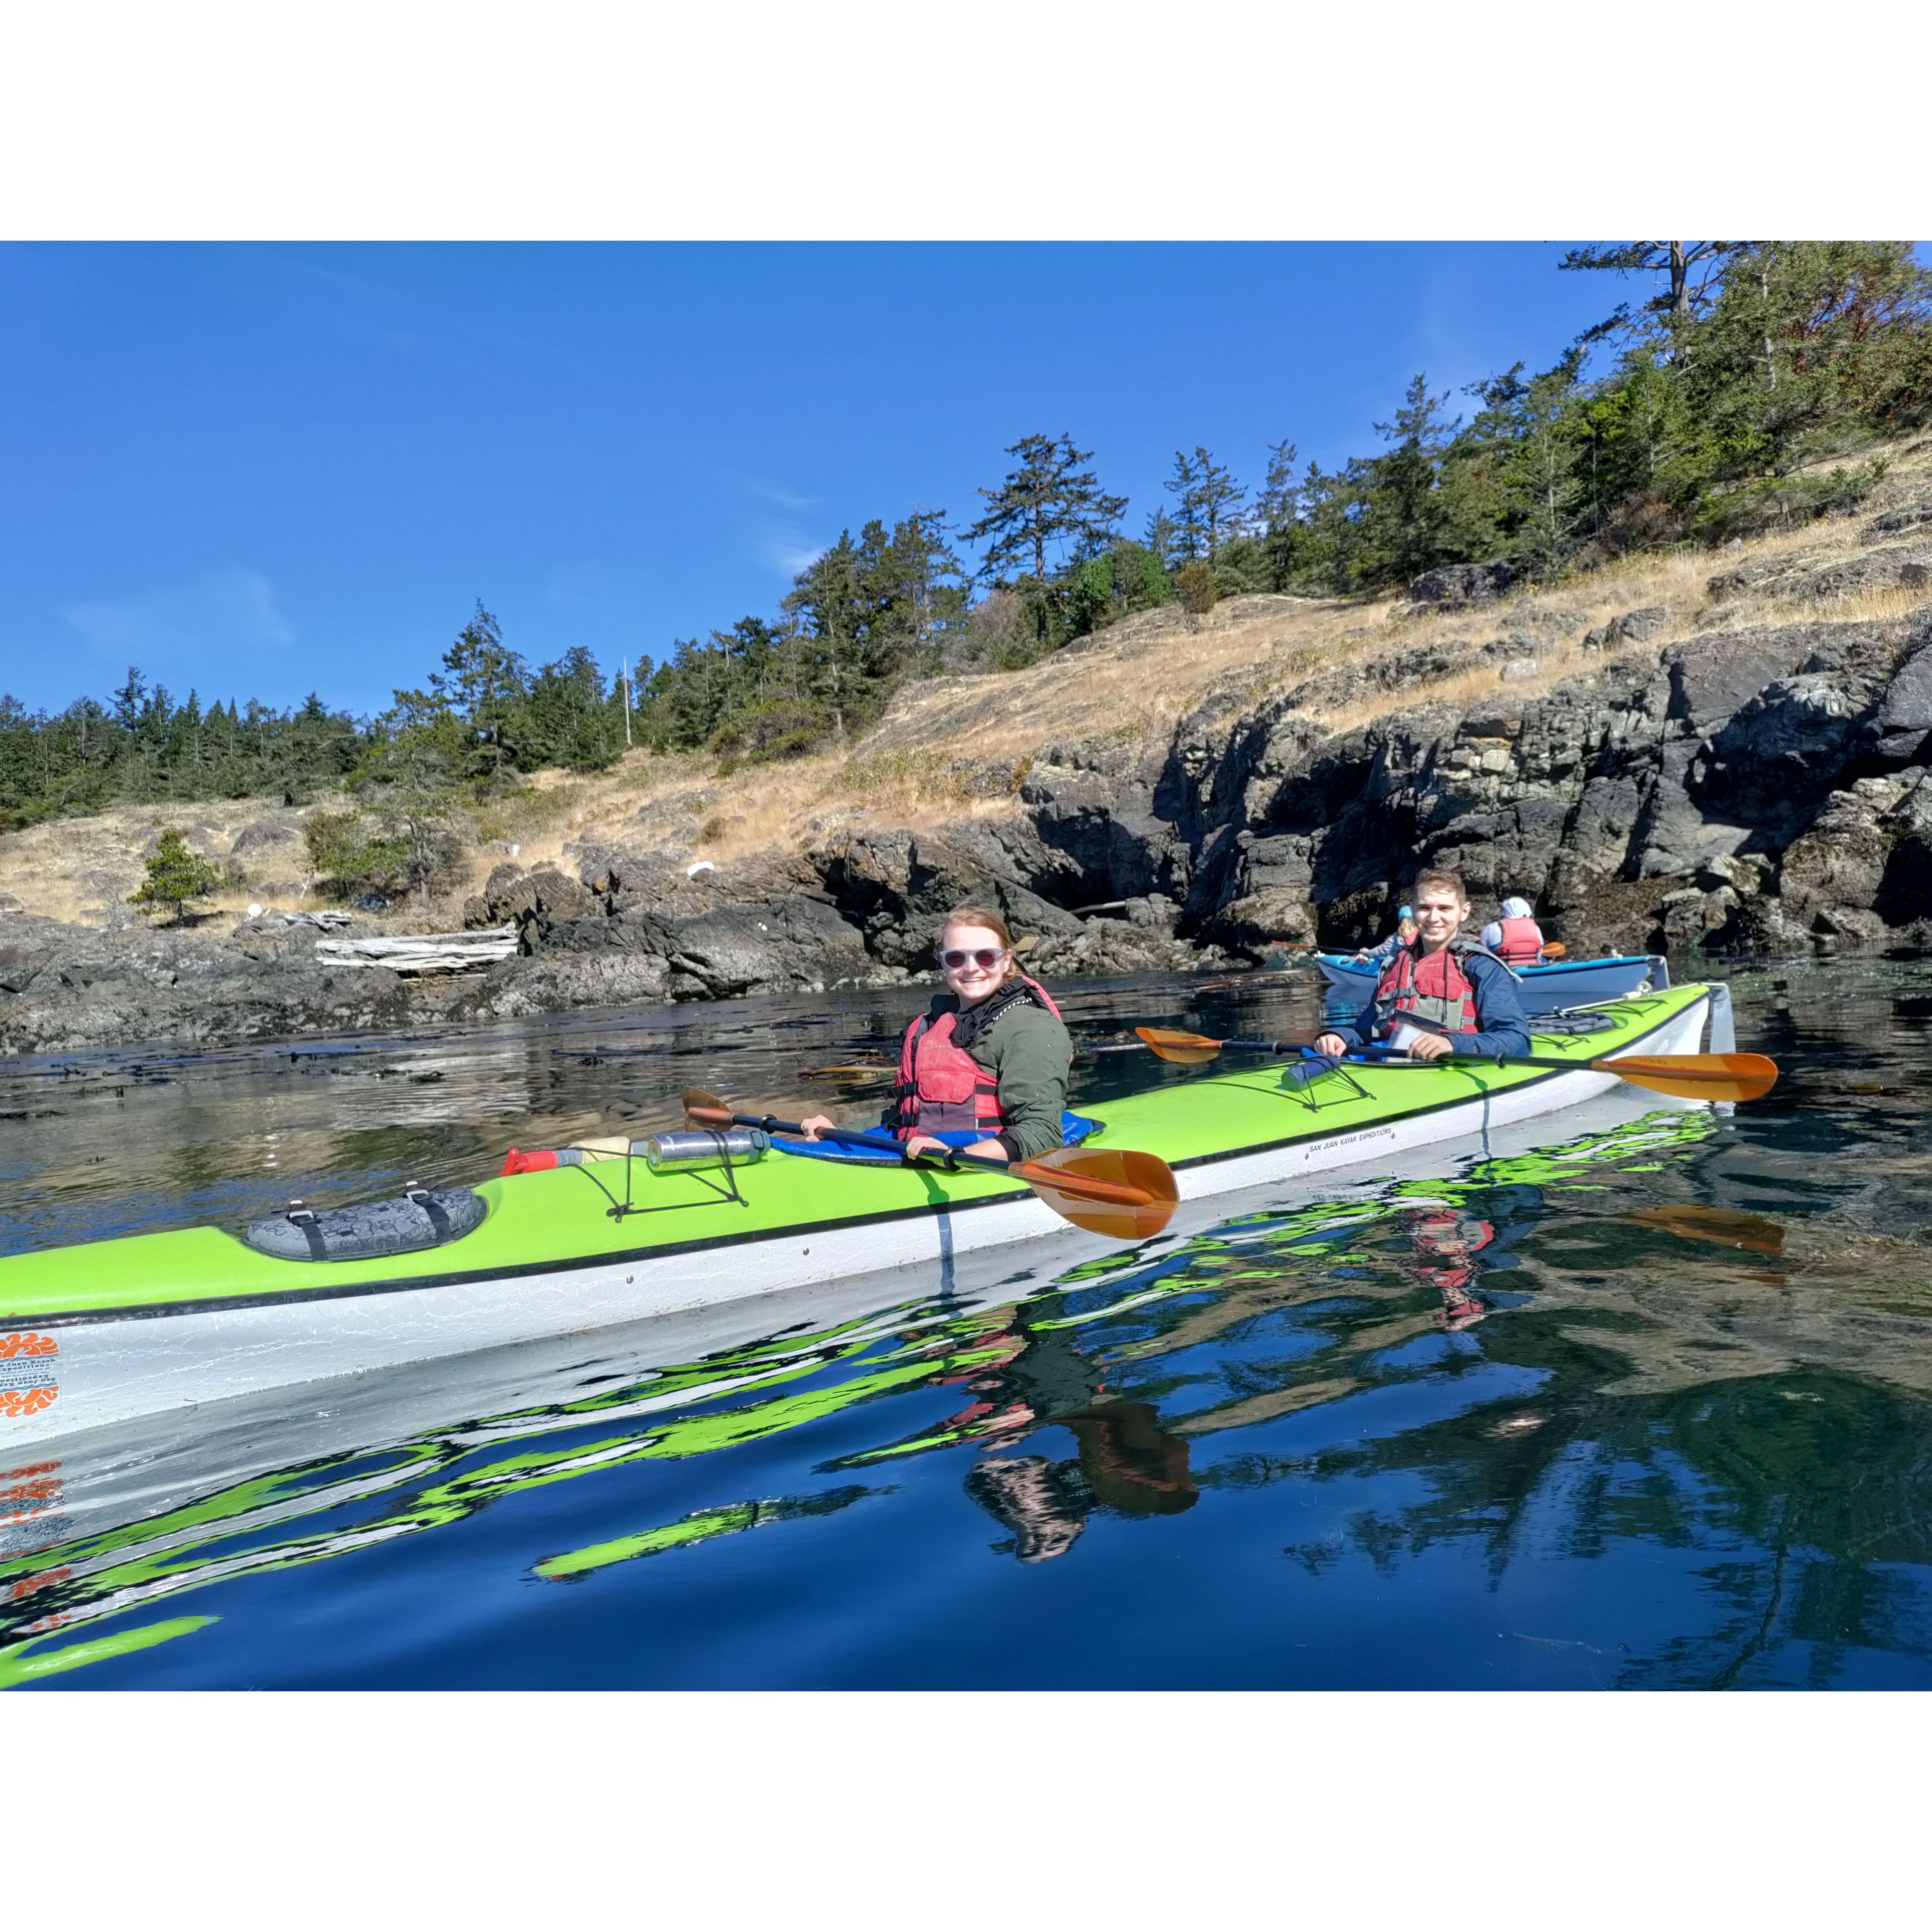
[1503,1029]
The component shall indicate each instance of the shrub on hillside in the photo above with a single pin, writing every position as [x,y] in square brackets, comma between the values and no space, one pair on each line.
[350,858]
[781,728]
[1780,502]
[175,874]
[1194,585]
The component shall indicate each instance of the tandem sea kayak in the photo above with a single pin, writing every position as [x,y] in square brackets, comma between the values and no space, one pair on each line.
[1543,989]
[108,1330]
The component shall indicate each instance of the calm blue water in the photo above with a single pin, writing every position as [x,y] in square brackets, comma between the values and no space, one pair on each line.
[1647,1406]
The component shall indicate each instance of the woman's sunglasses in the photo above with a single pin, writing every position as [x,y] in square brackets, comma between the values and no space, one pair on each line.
[986,958]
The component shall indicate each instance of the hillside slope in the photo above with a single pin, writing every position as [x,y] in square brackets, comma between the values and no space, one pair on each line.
[1720,748]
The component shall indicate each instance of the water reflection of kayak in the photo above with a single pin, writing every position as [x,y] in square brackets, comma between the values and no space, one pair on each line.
[145,1515]
[105,1331]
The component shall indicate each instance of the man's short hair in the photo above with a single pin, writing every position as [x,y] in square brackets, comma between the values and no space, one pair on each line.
[1438,875]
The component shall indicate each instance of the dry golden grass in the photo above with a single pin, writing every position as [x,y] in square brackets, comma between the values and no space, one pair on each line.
[1129,683]
[84,868]
[954,748]
[1878,606]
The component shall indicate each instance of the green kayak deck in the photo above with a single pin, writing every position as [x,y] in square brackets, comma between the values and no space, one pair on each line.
[560,1218]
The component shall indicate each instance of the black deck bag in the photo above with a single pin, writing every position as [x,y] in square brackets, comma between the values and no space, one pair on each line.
[425,1217]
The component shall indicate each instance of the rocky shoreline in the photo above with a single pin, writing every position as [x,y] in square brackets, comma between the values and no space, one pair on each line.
[1763,786]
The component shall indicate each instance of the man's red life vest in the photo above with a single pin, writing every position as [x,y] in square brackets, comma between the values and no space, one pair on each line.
[1521,943]
[1432,987]
[941,1088]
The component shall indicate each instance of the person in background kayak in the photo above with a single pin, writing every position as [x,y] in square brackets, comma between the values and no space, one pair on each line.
[984,1067]
[1516,939]
[1440,994]
[1405,930]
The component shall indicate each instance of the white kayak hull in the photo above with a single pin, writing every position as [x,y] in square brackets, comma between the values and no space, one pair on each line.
[113,1369]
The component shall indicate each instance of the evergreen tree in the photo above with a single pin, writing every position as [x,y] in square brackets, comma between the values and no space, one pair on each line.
[1275,521]
[1046,503]
[1409,518]
[1693,273]
[1162,537]
[130,701]
[420,753]
[483,681]
[175,874]
[1693,270]
[1277,504]
[1208,503]
[1545,491]
[566,717]
[1806,340]
[1185,532]
[1124,577]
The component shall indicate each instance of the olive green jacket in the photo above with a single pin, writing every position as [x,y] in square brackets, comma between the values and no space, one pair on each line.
[1028,1052]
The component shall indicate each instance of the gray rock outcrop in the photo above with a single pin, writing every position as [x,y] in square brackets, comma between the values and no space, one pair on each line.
[1757,787]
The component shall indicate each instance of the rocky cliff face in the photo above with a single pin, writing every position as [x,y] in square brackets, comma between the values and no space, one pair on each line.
[1754,788]
[1756,779]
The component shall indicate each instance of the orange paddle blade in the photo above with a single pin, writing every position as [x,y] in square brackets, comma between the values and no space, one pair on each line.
[1555,949]
[1723,1225]
[1697,1076]
[1184,1049]
[1119,1192]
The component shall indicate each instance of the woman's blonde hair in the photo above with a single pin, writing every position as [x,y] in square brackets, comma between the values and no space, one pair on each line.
[979,915]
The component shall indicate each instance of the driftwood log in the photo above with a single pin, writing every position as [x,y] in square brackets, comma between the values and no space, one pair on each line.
[421,952]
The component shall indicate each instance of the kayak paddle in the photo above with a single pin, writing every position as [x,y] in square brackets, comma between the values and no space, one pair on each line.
[1689,1076]
[1195,1049]
[1118,1192]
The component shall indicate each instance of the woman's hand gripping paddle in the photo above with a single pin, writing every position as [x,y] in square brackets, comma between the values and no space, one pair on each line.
[1689,1076]
[1116,1191]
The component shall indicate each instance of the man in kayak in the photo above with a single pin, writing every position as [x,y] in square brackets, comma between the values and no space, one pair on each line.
[1440,994]
[984,1067]
[1516,938]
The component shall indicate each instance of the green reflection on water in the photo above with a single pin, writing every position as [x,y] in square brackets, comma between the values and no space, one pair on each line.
[1682,1335]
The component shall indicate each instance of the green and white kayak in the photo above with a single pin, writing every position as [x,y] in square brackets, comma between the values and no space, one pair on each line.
[108,1330]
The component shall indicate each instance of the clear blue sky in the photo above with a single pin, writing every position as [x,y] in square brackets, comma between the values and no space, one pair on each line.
[261,469]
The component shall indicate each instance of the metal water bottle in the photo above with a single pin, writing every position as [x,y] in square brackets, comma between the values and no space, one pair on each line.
[678,1154]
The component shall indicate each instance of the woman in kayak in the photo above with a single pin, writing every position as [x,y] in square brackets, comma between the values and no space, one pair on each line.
[1405,930]
[1440,994]
[984,1068]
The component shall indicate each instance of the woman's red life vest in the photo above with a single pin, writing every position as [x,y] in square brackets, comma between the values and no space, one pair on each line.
[941,1088]
[1521,943]
[1432,987]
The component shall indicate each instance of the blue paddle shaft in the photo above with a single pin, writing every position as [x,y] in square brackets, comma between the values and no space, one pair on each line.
[854,1137]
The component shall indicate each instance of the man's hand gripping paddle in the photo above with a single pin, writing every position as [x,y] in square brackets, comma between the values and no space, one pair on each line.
[1689,1076]
[1116,1191]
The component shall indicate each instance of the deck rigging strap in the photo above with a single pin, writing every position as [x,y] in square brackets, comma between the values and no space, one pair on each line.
[1570,1020]
[618,1210]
